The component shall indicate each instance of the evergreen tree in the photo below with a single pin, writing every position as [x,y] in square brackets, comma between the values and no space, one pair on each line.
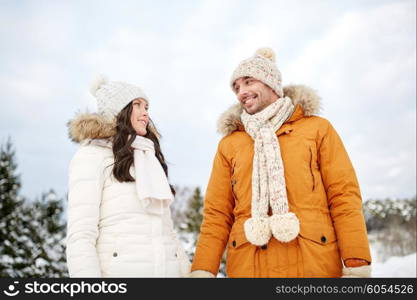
[190,219]
[194,213]
[47,231]
[392,224]
[10,207]
[31,232]
[193,217]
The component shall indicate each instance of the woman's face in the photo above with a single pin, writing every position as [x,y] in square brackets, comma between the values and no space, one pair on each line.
[139,117]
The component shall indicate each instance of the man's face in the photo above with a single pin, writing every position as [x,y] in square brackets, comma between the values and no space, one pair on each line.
[253,94]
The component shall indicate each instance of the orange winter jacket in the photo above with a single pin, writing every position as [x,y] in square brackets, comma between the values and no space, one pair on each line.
[322,191]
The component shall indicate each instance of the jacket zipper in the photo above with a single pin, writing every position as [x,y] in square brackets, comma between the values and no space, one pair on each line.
[232,183]
[311,169]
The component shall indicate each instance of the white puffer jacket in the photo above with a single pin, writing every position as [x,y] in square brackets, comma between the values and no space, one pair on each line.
[109,234]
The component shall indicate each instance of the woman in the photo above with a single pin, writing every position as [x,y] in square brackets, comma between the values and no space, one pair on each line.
[119,221]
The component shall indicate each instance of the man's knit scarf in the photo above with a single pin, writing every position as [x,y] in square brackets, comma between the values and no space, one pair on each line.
[268,181]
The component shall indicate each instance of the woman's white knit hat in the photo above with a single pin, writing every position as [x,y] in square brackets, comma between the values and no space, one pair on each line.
[113,96]
[261,66]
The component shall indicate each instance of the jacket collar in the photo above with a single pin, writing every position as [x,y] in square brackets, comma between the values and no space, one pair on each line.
[305,99]
[87,126]
[93,126]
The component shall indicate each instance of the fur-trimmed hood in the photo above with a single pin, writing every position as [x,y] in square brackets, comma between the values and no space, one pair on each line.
[90,126]
[303,95]
[95,126]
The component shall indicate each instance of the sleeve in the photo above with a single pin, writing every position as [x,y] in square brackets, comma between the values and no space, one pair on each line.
[84,197]
[218,216]
[343,196]
[185,264]
[182,256]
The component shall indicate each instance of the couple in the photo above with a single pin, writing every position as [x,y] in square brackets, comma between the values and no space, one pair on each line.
[283,197]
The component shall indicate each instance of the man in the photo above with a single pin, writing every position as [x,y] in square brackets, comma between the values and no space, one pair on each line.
[283,195]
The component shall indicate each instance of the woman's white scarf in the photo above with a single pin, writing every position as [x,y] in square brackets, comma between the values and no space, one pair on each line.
[151,182]
[268,181]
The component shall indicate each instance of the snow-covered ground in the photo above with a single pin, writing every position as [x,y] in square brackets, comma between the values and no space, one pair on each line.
[395,266]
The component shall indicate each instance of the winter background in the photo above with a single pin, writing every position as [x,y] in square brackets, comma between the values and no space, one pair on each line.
[359,55]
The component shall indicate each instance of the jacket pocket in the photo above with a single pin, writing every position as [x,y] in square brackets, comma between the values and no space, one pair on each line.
[108,255]
[115,257]
[238,262]
[318,233]
[237,239]
[319,250]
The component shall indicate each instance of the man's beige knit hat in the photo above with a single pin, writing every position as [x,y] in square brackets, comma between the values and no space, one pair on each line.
[261,66]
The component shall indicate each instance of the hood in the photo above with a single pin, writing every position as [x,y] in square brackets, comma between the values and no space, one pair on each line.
[90,126]
[301,95]
[95,126]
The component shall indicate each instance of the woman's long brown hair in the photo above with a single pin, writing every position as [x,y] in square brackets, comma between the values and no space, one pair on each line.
[122,146]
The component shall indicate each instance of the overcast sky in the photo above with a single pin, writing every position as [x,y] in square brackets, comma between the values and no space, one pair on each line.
[359,55]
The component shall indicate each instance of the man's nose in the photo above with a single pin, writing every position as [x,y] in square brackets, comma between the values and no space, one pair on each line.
[242,94]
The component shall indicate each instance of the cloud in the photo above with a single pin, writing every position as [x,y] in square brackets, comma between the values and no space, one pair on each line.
[364,68]
[360,57]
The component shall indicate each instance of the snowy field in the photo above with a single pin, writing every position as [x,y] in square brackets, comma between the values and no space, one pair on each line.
[404,266]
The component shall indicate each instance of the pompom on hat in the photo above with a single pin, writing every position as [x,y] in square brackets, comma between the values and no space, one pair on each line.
[113,96]
[261,66]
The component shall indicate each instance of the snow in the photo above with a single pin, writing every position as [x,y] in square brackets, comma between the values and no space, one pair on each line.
[394,266]
[51,196]
[4,163]
[40,262]
[6,259]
